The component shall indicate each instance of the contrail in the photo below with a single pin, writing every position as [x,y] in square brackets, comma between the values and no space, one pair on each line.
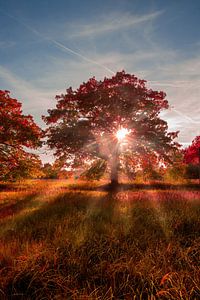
[80,55]
[58,44]
[69,50]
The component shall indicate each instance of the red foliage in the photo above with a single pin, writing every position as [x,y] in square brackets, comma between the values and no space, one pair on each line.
[85,121]
[192,153]
[16,132]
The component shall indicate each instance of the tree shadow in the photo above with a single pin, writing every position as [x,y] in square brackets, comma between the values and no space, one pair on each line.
[98,235]
[41,223]
[14,208]
[135,186]
[91,214]
[5,187]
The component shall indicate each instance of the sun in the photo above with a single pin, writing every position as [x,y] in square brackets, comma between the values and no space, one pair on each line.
[121,134]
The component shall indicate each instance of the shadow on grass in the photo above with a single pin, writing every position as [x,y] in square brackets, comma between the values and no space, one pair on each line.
[70,208]
[137,186]
[16,207]
[84,215]
[98,243]
[101,243]
[6,187]
[97,211]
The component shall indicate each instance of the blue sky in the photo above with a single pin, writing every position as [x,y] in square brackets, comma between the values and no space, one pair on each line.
[47,46]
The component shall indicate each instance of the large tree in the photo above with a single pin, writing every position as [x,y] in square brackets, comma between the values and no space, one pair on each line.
[17,133]
[116,120]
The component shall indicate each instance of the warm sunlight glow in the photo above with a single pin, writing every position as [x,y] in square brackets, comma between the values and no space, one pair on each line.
[121,134]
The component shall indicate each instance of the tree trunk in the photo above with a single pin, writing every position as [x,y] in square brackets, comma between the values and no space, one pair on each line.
[114,168]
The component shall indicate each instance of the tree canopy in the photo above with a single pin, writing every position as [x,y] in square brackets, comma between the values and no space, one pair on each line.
[18,132]
[86,122]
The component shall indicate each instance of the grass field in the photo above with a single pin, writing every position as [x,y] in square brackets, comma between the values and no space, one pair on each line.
[60,240]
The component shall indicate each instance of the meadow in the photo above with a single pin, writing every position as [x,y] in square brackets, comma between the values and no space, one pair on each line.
[65,240]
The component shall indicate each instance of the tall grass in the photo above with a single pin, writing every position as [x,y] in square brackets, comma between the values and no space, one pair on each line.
[64,241]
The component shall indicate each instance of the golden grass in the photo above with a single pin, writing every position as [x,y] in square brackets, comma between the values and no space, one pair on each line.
[65,240]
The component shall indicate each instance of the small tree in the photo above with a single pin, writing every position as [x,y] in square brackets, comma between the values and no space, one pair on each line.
[177,170]
[55,170]
[49,172]
[27,167]
[192,154]
[111,119]
[17,133]
[192,171]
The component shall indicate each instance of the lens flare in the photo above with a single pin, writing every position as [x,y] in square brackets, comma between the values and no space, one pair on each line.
[121,134]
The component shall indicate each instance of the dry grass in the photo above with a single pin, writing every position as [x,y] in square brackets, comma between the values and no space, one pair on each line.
[77,241]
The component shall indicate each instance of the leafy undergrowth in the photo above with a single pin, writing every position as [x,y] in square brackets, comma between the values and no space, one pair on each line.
[64,241]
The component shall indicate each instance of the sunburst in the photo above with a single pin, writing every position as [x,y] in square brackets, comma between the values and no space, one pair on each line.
[121,134]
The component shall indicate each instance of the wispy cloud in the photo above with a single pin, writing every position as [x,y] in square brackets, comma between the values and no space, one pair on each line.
[55,42]
[35,101]
[181,82]
[7,44]
[111,23]
[163,68]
